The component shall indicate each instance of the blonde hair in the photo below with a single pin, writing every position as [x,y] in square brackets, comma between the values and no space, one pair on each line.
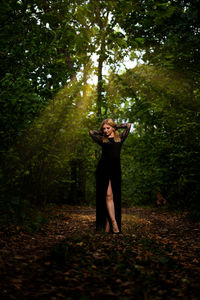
[111,123]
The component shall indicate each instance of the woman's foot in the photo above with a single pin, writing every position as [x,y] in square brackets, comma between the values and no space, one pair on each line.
[115,228]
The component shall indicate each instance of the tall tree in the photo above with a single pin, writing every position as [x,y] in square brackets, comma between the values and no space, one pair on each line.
[105,41]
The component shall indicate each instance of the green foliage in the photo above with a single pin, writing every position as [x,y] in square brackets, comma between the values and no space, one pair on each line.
[168,31]
[52,160]
[162,155]
[36,60]
[22,214]
[48,107]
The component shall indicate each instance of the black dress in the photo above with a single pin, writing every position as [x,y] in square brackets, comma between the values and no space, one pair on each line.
[108,168]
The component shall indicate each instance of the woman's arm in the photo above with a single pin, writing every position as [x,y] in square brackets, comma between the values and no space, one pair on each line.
[96,135]
[124,134]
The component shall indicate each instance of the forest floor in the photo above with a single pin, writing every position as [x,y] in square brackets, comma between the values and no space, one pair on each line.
[157,256]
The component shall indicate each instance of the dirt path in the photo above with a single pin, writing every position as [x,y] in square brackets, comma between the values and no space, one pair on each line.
[156,257]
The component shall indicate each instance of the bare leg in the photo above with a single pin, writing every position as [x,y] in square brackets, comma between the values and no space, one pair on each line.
[107,228]
[111,208]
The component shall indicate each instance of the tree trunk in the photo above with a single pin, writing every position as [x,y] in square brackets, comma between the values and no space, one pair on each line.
[82,182]
[73,189]
[85,77]
[102,23]
[99,85]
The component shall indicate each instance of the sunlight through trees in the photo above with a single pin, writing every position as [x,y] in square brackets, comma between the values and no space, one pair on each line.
[49,100]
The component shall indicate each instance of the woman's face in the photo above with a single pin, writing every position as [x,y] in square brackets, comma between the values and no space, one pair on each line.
[107,129]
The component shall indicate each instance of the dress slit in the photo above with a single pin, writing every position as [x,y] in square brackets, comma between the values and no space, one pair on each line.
[101,206]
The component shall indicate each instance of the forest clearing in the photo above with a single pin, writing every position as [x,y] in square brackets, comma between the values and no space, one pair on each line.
[155,257]
[66,67]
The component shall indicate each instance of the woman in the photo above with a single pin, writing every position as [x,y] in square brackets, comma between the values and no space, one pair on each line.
[108,175]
